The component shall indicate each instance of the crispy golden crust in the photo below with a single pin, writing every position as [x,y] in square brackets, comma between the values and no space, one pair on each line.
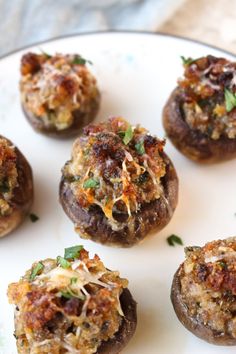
[191,142]
[120,339]
[152,216]
[115,166]
[59,94]
[72,304]
[203,292]
[193,324]
[22,195]
[80,119]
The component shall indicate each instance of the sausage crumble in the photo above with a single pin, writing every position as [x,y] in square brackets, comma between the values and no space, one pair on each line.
[53,87]
[208,285]
[117,167]
[208,91]
[67,305]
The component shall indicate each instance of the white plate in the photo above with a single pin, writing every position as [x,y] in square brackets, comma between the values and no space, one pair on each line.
[136,73]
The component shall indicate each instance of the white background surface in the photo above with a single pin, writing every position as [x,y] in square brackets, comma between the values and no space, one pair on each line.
[136,73]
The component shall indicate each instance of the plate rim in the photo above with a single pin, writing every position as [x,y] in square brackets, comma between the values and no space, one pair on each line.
[114,31]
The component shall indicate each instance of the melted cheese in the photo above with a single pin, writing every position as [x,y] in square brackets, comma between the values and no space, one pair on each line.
[61,278]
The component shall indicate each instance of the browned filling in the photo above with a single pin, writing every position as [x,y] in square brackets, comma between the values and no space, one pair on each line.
[116,166]
[53,87]
[208,285]
[67,306]
[8,176]
[208,94]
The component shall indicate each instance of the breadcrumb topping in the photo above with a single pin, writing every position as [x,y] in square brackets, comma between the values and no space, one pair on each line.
[208,285]
[68,305]
[53,87]
[208,91]
[116,166]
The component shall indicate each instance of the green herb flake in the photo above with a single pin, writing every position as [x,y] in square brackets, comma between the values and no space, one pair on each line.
[63,262]
[69,294]
[91,183]
[4,187]
[36,271]
[78,60]
[72,179]
[140,148]
[128,135]
[73,252]
[230,100]
[73,280]
[142,178]
[222,264]
[33,217]
[48,56]
[188,61]
[121,134]
[76,178]
[66,294]
[174,239]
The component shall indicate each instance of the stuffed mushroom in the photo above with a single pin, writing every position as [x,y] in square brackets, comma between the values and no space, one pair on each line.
[204,291]
[16,187]
[200,115]
[72,304]
[59,95]
[119,184]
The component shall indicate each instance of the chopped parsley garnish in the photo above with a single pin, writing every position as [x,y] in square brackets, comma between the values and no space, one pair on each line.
[63,262]
[121,134]
[33,217]
[91,183]
[45,54]
[72,179]
[73,252]
[143,178]
[128,135]
[73,280]
[203,102]
[68,294]
[4,187]
[230,100]
[36,270]
[76,178]
[140,148]
[222,264]
[174,239]
[78,60]
[188,61]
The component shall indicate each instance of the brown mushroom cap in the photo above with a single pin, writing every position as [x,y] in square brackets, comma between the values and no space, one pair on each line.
[153,216]
[192,323]
[192,143]
[127,328]
[22,195]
